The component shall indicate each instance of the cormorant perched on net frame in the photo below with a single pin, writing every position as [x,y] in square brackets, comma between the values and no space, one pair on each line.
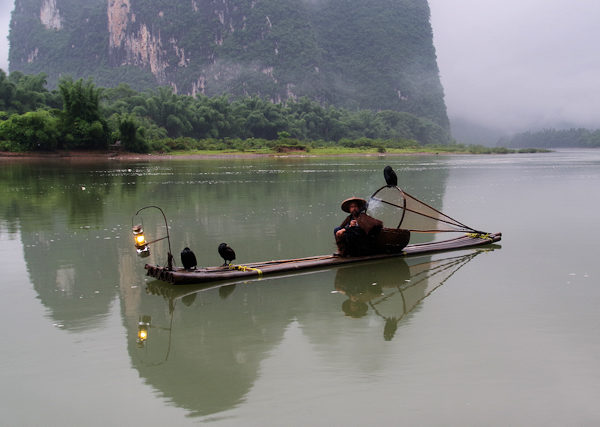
[390,176]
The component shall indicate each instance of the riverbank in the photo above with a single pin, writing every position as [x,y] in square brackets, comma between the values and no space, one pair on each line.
[108,155]
[231,154]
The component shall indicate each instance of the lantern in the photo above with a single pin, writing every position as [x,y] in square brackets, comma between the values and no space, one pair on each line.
[141,245]
[140,241]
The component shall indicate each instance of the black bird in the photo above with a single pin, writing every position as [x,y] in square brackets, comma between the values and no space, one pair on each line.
[188,259]
[390,177]
[226,253]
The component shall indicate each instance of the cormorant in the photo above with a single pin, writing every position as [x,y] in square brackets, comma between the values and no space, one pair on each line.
[188,259]
[226,253]
[390,176]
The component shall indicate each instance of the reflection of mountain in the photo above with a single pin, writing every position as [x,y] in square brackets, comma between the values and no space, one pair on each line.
[74,220]
[214,346]
[205,347]
[72,217]
[70,214]
[64,269]
[65,241]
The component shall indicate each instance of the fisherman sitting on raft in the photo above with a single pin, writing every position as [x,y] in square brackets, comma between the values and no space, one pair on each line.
[356,235]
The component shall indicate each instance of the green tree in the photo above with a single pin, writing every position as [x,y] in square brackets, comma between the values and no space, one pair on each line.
[83,125]
[81,100]
[7,92]
[172,112]
[32,131]
[20,93]
[131,136]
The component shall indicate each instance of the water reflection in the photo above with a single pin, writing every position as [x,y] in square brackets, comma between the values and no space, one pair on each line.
[65,230]
[73,218]
[287,340]
[394,293]
[201,350]
[62,265]
[209,341]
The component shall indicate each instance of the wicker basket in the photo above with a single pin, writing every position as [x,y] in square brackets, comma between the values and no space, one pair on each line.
[392,240]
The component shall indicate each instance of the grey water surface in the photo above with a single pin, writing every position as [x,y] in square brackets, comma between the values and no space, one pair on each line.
[503,335]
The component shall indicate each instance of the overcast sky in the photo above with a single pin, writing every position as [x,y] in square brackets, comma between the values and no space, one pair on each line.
[519,64]
[6,6]
[512,64]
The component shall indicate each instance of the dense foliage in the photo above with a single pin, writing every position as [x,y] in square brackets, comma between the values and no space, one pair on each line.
[355,54]
[553,138]
[80,115]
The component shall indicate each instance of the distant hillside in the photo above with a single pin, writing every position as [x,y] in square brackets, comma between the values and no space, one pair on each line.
[467,131]
[555,138]
[357,54]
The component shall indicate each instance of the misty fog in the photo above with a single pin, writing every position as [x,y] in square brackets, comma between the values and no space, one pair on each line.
[517,65]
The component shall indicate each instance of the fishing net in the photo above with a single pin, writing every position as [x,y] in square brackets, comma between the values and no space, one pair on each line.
[399,296]
[398,209]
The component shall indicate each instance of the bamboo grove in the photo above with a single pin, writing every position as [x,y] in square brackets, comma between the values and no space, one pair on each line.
[80,115]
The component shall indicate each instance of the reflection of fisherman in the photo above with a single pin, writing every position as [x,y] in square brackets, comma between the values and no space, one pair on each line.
[356,235]
[364,288]
[356,304]
[359,286]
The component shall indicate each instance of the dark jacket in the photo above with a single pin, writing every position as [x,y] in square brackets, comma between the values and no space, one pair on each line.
[359,240]
[368,224]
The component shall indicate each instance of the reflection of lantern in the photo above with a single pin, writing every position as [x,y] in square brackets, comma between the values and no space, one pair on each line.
[140,241]
[142,332]
[143,325]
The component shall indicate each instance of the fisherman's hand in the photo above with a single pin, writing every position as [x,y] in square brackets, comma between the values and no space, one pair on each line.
[353,223]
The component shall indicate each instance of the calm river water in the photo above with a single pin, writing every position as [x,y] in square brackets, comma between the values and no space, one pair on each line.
[506,335]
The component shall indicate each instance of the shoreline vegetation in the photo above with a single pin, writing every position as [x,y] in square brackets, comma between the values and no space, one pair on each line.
[79,117]
[118,154]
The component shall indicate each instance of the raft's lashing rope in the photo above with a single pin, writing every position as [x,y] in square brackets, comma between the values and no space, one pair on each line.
[245,268]
[485,236]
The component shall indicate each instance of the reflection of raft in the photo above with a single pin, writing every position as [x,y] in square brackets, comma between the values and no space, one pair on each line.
[252,270]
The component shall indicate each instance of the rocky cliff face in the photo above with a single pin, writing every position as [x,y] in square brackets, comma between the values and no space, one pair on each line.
[134,44]
[375,54]
[50,16]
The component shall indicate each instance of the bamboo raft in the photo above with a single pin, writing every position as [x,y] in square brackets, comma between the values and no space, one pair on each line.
[180,276]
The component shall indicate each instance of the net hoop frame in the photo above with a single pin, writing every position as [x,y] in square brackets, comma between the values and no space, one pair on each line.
[404,209]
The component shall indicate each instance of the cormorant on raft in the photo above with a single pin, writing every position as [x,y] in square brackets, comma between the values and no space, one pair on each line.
[188,259]
[390,176]
[226,253]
